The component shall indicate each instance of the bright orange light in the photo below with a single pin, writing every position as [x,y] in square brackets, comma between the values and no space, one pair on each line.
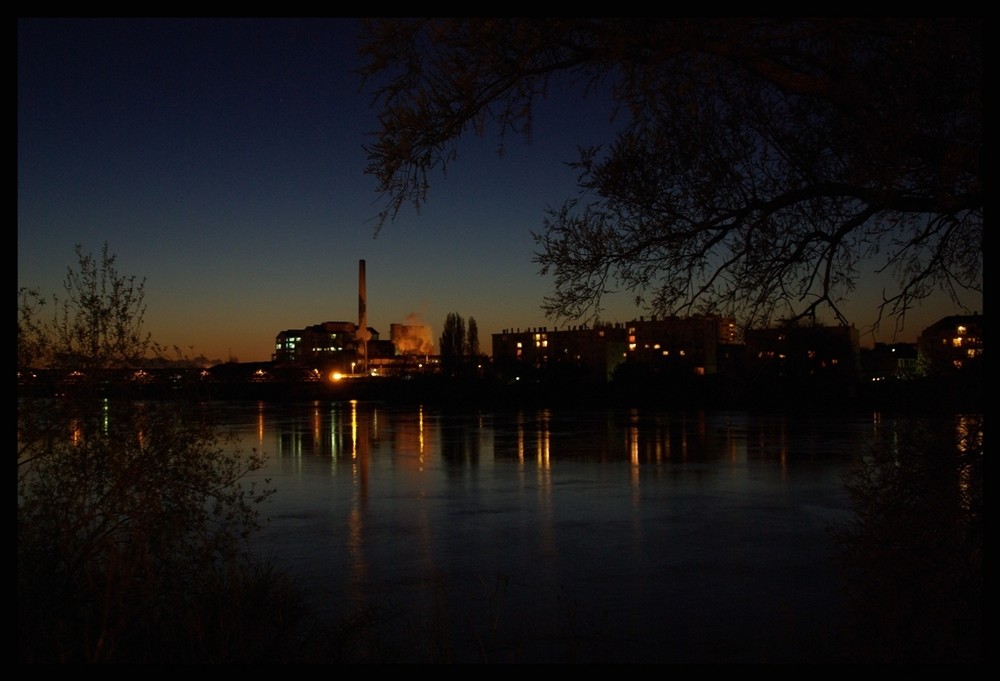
[336,376]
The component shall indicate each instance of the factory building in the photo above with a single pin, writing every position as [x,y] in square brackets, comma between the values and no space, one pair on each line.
[350,348]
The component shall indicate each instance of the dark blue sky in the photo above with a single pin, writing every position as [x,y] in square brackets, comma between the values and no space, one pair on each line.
[222,160]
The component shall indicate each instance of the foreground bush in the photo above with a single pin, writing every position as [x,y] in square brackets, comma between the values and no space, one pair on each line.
[133,517]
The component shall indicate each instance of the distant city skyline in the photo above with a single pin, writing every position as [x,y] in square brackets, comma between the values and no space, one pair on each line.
[221,160]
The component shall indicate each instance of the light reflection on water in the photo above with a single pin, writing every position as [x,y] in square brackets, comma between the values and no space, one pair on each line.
[561,535]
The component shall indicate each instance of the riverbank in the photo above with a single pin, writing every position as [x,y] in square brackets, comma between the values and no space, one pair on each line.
[956,393]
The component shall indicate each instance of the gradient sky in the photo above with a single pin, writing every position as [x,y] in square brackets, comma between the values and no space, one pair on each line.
[222,161]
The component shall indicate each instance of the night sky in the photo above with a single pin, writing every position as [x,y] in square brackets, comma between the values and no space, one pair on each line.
[222,161]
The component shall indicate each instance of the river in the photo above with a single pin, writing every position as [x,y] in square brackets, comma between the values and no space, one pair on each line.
[574,535]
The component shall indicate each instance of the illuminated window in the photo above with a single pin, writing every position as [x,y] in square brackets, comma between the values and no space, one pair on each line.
[656,346]
[956,342]
[519,345]
[962,330]
[631,346]
[699,371]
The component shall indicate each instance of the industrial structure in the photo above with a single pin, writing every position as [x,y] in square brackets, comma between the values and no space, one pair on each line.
[349,348]
[667,349]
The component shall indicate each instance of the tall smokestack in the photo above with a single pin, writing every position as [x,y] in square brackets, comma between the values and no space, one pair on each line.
[362,298]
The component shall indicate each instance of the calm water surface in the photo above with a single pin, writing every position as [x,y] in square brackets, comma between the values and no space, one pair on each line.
[551,535]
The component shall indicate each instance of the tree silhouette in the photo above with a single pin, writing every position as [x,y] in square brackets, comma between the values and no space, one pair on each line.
[132,516]
[759,163]
[452,342]
[472,339]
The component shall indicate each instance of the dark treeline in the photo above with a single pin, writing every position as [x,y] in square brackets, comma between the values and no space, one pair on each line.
[264,381]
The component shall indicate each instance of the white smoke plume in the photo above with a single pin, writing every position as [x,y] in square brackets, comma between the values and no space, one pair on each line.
[412,338]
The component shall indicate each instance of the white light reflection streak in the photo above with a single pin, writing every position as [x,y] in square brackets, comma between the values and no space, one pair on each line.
[543,439]
[354,430]
[520,437]
[546,534]
[661,443]
[733,444]
[334,440]
[632,437]
[356,516]
[969,435]
[260,426]
[317,421]
[420,438]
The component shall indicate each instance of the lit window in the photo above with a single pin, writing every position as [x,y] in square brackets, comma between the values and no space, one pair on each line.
[962,330]
[956,342]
